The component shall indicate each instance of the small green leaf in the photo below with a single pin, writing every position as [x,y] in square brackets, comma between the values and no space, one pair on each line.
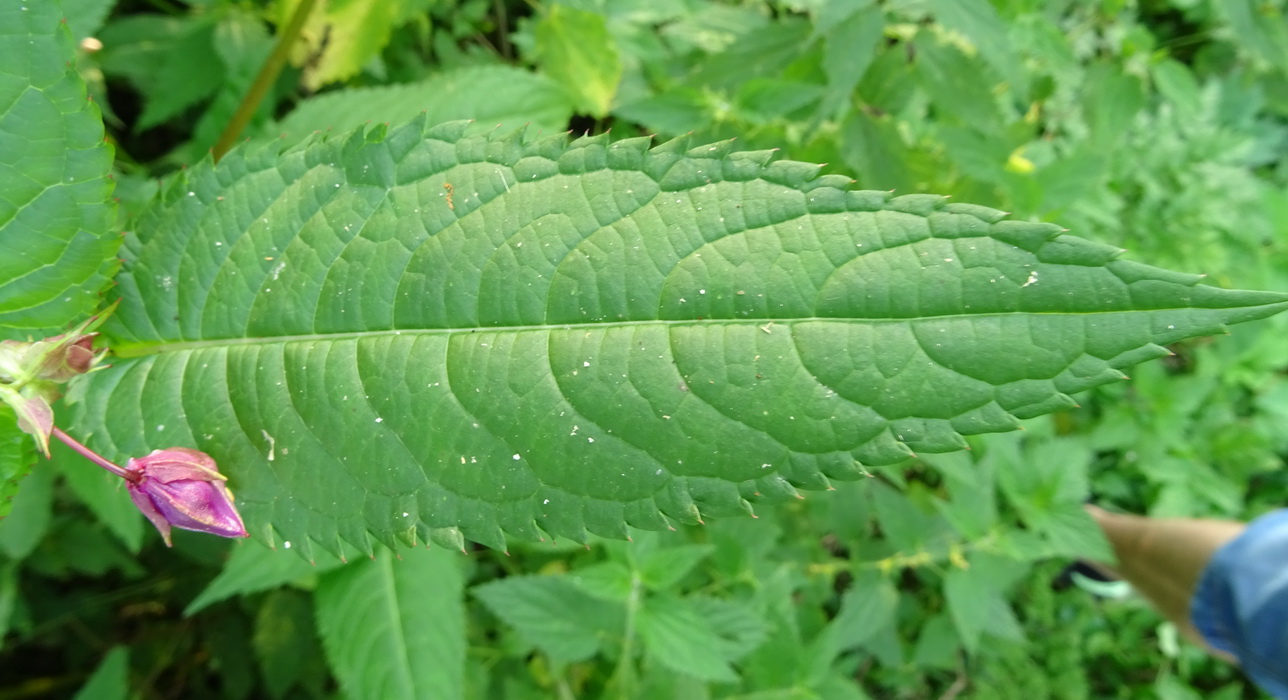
[609,580]
[666,566]
[111,680]
[980,23]
[908,528]
[1111,100]
[738,627]
[867,608]
[395,628]
[849,50]
[552,614]
[56,251]
[347,34]
[676,635]
[16,458]
[253,568]
[956,83]
[575,48]
[172,61]
[27,523]
[977,601]
[286,643]
[937,644]
[1260,27]
[972,504]
[243,45]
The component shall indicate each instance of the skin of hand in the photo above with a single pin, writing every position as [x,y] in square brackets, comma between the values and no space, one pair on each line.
[1163,558]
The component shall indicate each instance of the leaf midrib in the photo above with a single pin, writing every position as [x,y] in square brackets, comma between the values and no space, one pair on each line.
[131,350]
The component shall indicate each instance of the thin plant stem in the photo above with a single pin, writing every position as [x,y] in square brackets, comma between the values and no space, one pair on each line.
[267,76]
[89,454]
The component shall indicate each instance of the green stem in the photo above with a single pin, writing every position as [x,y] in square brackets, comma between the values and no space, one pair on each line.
[267,76]
[624,675]
[89,454]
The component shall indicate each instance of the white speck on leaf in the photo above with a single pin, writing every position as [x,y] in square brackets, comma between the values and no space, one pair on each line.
[272,445]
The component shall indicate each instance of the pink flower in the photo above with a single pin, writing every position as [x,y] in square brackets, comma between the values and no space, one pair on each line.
[183,488]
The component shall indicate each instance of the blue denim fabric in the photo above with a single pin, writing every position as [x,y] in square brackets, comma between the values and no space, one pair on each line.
[1241,603]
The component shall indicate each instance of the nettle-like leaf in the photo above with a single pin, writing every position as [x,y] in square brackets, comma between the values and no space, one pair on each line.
[428,333]
[56,251]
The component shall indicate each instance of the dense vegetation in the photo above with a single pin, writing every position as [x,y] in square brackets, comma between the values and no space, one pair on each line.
[1156,126]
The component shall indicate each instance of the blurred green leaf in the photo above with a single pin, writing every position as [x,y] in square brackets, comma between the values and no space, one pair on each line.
[575,48]
[552,614]
[609,580]
[17,455]
[242,45]
[738,628]
[873,148]
[971,506]
[395,628]
[110,680]
[980,23]
[9,596]
[254,567]
[907,527]
[491,95]
[285,642]
[345,35]
[676,635]
[29,519]
[867,609]
[663,568]
[172,61]
[849,49]
[956,83]
[1112,100]
[977,603]
[1262,29]
[937,645]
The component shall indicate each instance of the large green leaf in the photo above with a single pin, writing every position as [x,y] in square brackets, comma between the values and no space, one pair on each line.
[56,253]
[410,332]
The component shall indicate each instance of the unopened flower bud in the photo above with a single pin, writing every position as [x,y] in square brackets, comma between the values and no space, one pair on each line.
[62,357]
[180,487]
[32,372]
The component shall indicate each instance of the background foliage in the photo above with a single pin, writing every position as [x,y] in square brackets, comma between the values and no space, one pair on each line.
[1152,125]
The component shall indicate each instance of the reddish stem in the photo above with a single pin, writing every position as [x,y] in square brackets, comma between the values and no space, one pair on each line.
[91,455]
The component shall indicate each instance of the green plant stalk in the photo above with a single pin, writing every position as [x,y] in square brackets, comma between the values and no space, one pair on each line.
[264,80]
[623,679]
